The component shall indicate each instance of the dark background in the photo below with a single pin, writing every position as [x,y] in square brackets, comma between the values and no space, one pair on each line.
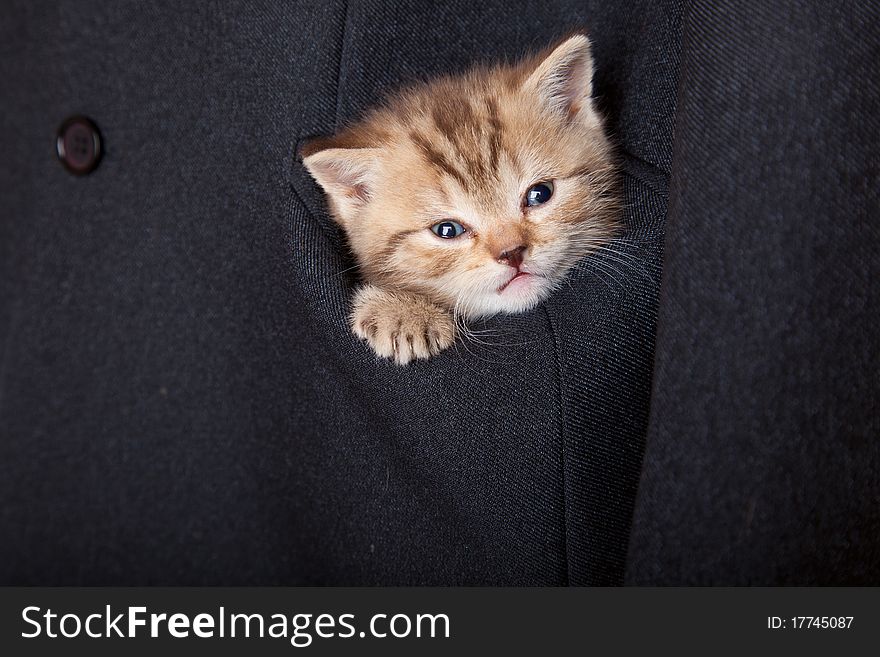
[182,403]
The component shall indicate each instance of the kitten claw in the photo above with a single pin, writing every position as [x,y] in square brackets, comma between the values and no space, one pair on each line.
[401,326]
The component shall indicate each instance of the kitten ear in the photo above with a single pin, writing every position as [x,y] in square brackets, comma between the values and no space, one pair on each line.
[347,176]
[563,80]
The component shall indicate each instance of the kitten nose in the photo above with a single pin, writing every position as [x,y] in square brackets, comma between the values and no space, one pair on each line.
[513,257]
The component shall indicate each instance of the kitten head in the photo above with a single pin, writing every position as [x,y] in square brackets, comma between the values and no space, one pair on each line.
[479,191]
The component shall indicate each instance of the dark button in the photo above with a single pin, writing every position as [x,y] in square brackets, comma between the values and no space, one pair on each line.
[79,145]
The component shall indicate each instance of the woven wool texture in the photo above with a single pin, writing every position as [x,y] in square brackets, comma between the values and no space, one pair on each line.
[182,402]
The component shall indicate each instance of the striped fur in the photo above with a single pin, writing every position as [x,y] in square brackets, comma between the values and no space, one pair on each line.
[467,148]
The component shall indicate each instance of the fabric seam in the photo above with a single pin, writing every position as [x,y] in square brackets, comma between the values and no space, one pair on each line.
[344,53]
[560,402]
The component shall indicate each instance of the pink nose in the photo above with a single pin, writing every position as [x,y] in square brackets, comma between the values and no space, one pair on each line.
[512,257]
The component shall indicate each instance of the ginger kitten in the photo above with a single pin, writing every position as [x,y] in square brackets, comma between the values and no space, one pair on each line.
[468,196]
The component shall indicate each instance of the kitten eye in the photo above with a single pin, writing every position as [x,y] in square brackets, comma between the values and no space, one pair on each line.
[538,194]
[448,229]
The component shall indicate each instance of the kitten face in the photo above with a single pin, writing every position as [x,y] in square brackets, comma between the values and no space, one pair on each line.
[479,191]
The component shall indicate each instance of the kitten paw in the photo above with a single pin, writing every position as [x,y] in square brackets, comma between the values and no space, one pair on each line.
[400,325]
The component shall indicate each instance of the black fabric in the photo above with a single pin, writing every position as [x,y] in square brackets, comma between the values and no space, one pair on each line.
[763,459]
[181,401]
[180,398]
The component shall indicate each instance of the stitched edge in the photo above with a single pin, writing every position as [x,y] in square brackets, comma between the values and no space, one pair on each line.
[560,402]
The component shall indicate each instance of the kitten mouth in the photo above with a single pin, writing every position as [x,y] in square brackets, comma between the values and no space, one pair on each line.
[520,277]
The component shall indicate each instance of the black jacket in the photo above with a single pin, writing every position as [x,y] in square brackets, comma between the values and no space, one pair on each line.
[181,401]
